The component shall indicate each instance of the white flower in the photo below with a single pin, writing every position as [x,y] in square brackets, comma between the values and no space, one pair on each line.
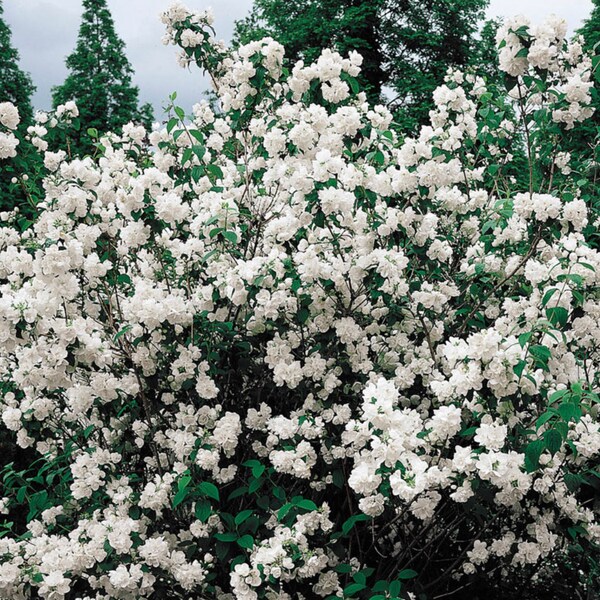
[9,115]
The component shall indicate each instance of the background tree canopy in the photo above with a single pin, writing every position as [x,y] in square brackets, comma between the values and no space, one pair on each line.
[407,46]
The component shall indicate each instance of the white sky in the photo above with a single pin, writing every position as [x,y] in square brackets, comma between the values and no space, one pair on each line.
[45,31]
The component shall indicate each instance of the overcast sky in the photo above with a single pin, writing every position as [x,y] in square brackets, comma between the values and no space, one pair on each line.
[45,31]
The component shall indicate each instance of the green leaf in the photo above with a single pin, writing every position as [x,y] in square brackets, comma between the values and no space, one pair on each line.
[197,173]
[237,493]
[353,588]
[541,353]
[556,396]
[532,455]
[202,510]
[225,537]
[21,494]
[209,489]
[215,171]
[172,124]
[360,577]
[284,510]
[552,440]
[197,135]
[544,418]
[587,266]
[303,315]
[519,368]
[306,504]
[179,497]
[569,410]
[524,338]
[576,279]
[258,470]
[548,295]
[198,150]
[209,255]
[351,522]
[573,481]
[558,316]
[343,568]
[246,541]
[184,482]
[255,485]
[122,332]
[407,574]
[394,589]
[242,516]
[230,236]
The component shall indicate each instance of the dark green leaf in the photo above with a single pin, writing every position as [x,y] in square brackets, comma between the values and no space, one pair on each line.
[553,440]
[209,489]
[407,574]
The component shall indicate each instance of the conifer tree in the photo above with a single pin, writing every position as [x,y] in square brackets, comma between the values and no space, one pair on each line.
[99,79]
[16,87]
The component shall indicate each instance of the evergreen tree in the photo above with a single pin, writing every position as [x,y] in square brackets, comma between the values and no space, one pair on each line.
[16,87]
[407,45]
[99,79]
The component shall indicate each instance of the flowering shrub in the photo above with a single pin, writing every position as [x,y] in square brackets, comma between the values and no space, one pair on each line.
[273,351]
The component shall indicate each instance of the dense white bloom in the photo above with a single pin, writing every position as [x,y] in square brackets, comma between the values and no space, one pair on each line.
[8,145]
[9,115]
[213,332]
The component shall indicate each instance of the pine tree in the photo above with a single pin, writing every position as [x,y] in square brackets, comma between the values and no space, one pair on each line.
[15,85]
[407,45]
[99,79]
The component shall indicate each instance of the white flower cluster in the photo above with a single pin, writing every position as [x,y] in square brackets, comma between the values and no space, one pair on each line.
[237,345]
[9,119]
[523,49]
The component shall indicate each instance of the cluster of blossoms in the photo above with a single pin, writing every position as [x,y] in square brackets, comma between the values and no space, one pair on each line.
[524,49]
[9,119]
[275,352]
[63,116]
